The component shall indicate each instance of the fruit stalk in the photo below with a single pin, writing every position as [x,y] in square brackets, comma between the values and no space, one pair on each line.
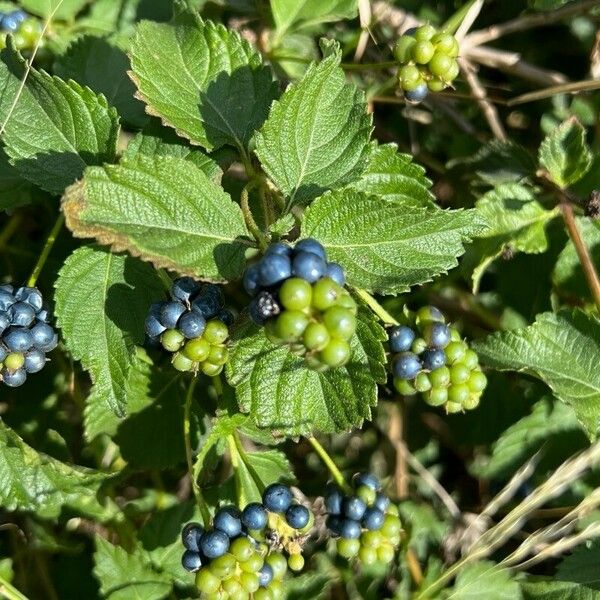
[383,314]
[249,218]
[329,463]
[46,250]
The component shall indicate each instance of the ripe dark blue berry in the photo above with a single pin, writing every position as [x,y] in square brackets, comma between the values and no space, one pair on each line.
[191,324]
[14,378]
[382,502]
[353,508]
[279,248]
[228,521]
[437,335]
[4,322]
[21,314]
[254,516]
[191,561]
[42,335]
[367,479]
[433,358]
[406,365]
[170,313]
[31,296]
[418,94]
[401,338]
[350,529]
[6,300]
[34,361]
[209,302]
[190,536]
[334,524]
[214,543]
[274,269]
[310,245]
[251,279]
[265,575]
[226,316]
[184,288]
[373,518]
[309,266]
[18,339]
[333,500]
[152,326]
[297,516]
[336,272]
[277,498]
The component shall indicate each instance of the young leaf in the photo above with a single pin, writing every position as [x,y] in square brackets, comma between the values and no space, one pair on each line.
[281,393]
[581,567]
[124,576]
[485,580]
[202,79]
[517,221]
[538,588]
[565,154]
[63,10]
[181,220]
[385,246]
[316,137]
[394,176]
[74,127]
[563,350]
[102,66]
[101,302]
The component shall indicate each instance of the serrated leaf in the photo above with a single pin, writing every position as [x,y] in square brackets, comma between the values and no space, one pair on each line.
[384,246]
[563,350]
[182,220]
[517,221]
[202,79]
[484,580]
[316,137]
[568,273]
[37,483]
[280,393]
[394,176]
[581,566]
[101,302]
[547,589]
[564,153]
[304,13]
[102,66]
[74,127]
[124,576]
[63,10]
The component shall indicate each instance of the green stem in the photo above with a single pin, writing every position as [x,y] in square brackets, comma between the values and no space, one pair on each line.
[453,23]
[165,278]
[255,476]
[10,592]
[189,456]
[46,250]
[329,463]
[383,314]
[10,228]
[235,463]
[249,218]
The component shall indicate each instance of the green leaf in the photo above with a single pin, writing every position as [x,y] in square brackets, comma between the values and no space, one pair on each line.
[568,274]
[581,566]
[124,576]
[563,350]
[73,126]
[63,10]
[517,222]
[394,176]
[14,190]
[316,137]
[280,393]
[547,589]
[182,220]
[101,302]
[386,246]
[102,66]
[202,79]
[304,13]
[37,483]
[565,154]
[548,5]
[485,580]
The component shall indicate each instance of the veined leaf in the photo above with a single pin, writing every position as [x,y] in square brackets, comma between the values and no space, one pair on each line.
[581,567]
[485,580]
[163,209]
[538,588]
[301,13]
[563,350]
[73,127]
[316,137]
[386,246]
[63,10]
[202,79]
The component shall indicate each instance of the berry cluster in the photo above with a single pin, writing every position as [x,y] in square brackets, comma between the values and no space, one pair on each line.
[428,61]
[232,559]
[366,523]
[25,335]
[300,299]
[432,359]
[193,325]
[26,31]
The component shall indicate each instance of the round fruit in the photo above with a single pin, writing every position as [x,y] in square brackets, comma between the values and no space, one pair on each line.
[277,498]
[273,269]
[214,543]
[340,322]
[418,94]
[316,336]
[422,52]
[353,508]
[227,520]
[297,516]
[406,365]
[309,266]
[295,294]
[290,325]
[433,359]
[254,516]
[197,350]
[335,354]
[401,338]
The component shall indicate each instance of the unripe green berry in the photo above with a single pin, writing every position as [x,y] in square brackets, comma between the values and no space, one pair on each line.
[425,33]
[197,350]
[241,548]
[347,301]
[391,525]
[335,354]
[419,345]
[454,407]
[453,71]
[223,566]
[366,494]
[436,85]
[440,377]
[172,340]
[446,43]
[422,382]
[386,553]
[371,538]
[210,369]
[409,77]
[422,52]
[348,548]
[290,325]
[182,363]
[325,293]
[455,352]
[440,64]
[14,361]
[277,590]
[458,393]
[253,563]
[459,373]
[404,387]
[472,402]
[206,582]
[296,562]
[316,336]
[470,359]
[216,332]
[367,556]
[477,382]
[436,396]
[263,594]
[295,294]
[218,355]
[402,49]
[278,564]
[250,582]
[340,322]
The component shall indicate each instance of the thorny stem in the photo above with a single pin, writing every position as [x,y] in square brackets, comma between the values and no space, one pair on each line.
[329,463]
[249,218]
[383,314]
[46,250]
[188,453]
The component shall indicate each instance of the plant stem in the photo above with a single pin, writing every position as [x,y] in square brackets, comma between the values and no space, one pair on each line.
[585,259]
[235,463]
[329,463]
[165,279]
[249,218]
[453,23]
[10,592]
[188,453]
[412,562]
[383,314]
[46,250]
[242,452]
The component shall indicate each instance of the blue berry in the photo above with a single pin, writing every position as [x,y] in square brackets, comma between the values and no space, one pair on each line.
[44,314]
[297,516]
[334,524]
[264,307]
[3,352]
[406,365]
[6,300]
[43,335]
[190,536]
[170,313]
[209,301]
[382,502]
[254,516]
[10,23]
[191,324]
[418,94]
[50,345]
[310,245]
[401,338]
[350,529]
[6,287]
[433,358]
[277,498]
[278,248]
[4,322]
[214,543]
[184,288]
[353,508]
[191,561]
[336,272]
[228,521]
[265,575]
[32,296]
[226,316]
[34,361]
[18,339]
[373,518]
[333,499]
[367,479]
[309,266]
[21,314]
[274,269]
[14,378]
[437,335]
[152,326]
[251,278]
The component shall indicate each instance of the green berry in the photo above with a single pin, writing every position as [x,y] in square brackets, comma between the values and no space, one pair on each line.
[386,553]
[436,396]
[296,294]
[366,494]
[182,363]
[250,582]
[454,407]
[391,525]
[14,361]
[278,564]
[453,71]
[425,33]
[459,373]
[458,393]
[197,350]
[429,314]
[325,293]
[296,562]
[440,377]
[210,369]
[277,590]
[436,85]
[335,354]
[440,64]
[367,556]
[263,594]
[223,566]
[216,332]
[446,43]
[409,77]
[233,587]
[422,52]
[402,49]
[218,355]
[290,325]
[316,336]
[472,402]
[371,539]
[477,382]
[347,301]
[206,582]
[340,322]
[348,548]
[470,359]
[242,549]
[422,382]
[172,340]
[253,563]
[419,346]
[404,387]
[455,352]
